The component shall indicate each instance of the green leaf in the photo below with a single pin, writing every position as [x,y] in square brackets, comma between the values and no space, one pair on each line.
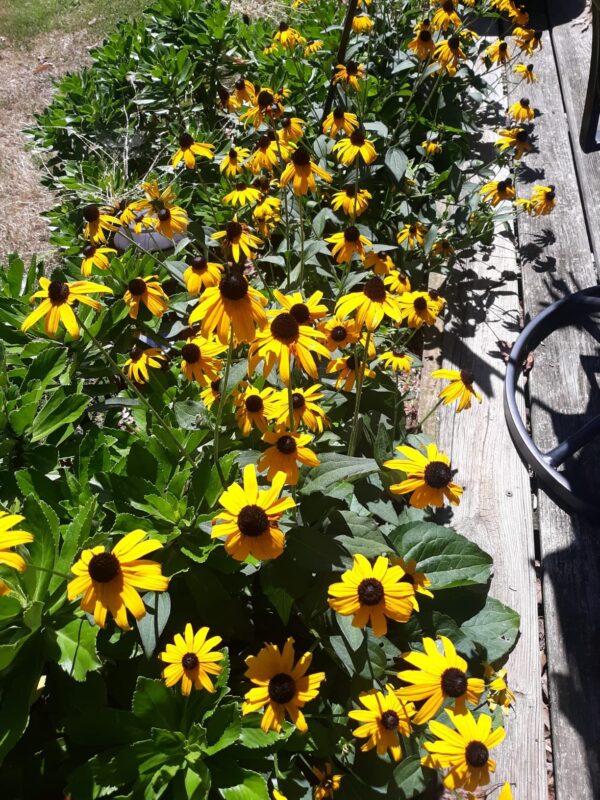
[410,778]
[18,694]
[73,537]
[335,468]
[43,523]
[60,410]
[494,630]
[237,373]
[9,608]
[256,738]
[222,728]
[150,627]
[155,705]
[396,161]
[77,645]
[190,414]
[447,558]
[253,787]
[282,601]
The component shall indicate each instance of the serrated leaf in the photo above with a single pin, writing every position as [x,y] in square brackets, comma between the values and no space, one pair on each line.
[155,705]
[77,645]
[222,728]
[494,630]
[60,410]
[252,787]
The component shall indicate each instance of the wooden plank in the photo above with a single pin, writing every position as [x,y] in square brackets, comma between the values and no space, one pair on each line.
[496,509]
[556,259]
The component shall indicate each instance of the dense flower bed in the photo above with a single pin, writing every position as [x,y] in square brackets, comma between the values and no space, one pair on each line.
[229,579]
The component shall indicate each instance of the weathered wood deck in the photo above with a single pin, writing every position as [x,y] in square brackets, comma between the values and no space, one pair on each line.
[503,510]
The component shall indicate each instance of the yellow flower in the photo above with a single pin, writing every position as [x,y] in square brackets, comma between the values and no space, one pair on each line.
[287,448]
[192,660]
[137,365]
[428,477]
[397,282]
[506,793]
[312,48]
[521,111]
[328,782]
[226,99]
[242,195]
[526,72]
[109,580]
[460,387]
[347,243]
[198,359]
[380,263]
[348,149]
[396,360]
[57,299]
[95,257]
[449,53]
[13,538]
[147,291]
[347,368]
[301,171]
[291,129]
[244,91]
[267,154]
[494,192]
[201,273]
[349,73]
[443,248]
[340,120]
[168,221]
[372,594]
[528,39]
[97,223]
[370,304]
[464,750]
[418,309]
[516,138]
[384,721]
[445,16]
[419,581]
[432,147]
[288,37]
[189,149]
[237,239]
[267,104]
[211,393]
[304,406]
[250,518]
[498,52]
[232,302]
[498,692]
[280,686]
[352,202]
[362,23]
[422,44]
[413,233]
[254,408]
[518,14]
[340,332]
[231,164]
[304,311]
[542,201]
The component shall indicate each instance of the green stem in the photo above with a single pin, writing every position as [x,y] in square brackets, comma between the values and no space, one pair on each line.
[396,406]
[49,571]
[433,408]
[290,389]
[301,213]
[220,409]
[359,387]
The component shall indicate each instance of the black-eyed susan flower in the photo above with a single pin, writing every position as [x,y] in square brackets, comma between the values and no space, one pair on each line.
[494,192]
[348,149]
[288,37]
[304,311]
[418,580]
[370,304]
[449,53]
[340,120]
[281,687]
[266,218]
[442,248]
[237,240]
[244,91]
[192,659]
[291,129]
[168,221]
[463,750]
[305,409]
[254,408]
[301,170]
[383,722]
[140,361]
[313,47]
[422,44]
[95,257]
[98,223]
[350,74]
[109,581]
[498,52]
[227,100]
[372,594]
[518,15]
[352,202]
[436,301]
[340,332]
[460,387]
[281,341]
[267,154]
[147,291]
[362,23]
[413,233]
[380,263]
[199,360]
[201,273]
[347,243]
[154,200]
[528,39]
[429,477]
[397,281]
[232,303]
[446,16]
[57,298]
[267,105]
[211,394]
[432,147]
[499,695]
[541,202]
[347,369]
[12,538]
[526,72]
[287,449]
[396,360]
[250,518]
[189,149]
[417,309]
[521,111]
[231,164]
[328,782]
[242,195]
[435,677]
[516,139]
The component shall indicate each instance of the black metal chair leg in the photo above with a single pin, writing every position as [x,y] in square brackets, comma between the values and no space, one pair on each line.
[589,136]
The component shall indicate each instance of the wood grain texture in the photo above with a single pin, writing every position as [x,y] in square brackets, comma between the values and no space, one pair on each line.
[556,259]
[496,509]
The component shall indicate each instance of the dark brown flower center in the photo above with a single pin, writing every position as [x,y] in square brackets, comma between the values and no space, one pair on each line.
[265,98]
[454,682]
[300,312]
[529,67]
[338,334]
[233,286]
[503,47]
[550,194]
[199,264]
[357,138]
[286,444]
[233,155]
[186,141]
[286,122]
[425,36]
[467,377]
[301,157]
[390,720]
[282,688]
[419,303]
[437,474]
[285,328]
[89,250]
[448,6]
[283,26]
[91,213]
[352,234]
[233,231]
[338,113]
[223,94]
[524,102]
[454,43]
[264,142]
[412,230]
[164,215]
[189,661]
[135,353]
[190,353]
[352,68]
[408,578]
[433,294]
[370,592]
[375,290]
[58,292]
[103,567]
[298,401]
[350,191]
[351,363]
[215,385]
[522,136]
[137,287]
[537,35]
[476,754]
[254,403]
[502,185]
[252,521]
[240,84]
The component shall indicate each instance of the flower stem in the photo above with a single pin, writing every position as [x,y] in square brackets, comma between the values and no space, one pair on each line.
[359,387]
[433,408]
[396,406]
[220,409]
[301,213]
[49,571]
[290,389]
